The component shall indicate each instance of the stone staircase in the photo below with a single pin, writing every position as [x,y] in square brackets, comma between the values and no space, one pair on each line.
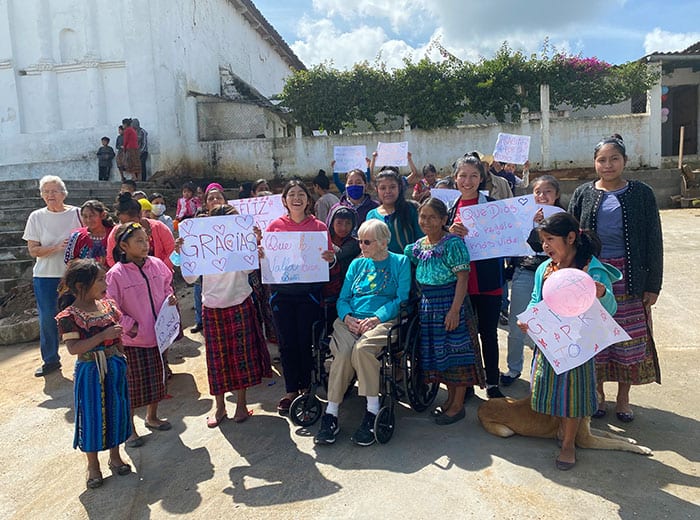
[19,198]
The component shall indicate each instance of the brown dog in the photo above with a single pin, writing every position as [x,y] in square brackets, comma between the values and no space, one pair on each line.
[506,417]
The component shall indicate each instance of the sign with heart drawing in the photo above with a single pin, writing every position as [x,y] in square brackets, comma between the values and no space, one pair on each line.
[215,245]
[294,257]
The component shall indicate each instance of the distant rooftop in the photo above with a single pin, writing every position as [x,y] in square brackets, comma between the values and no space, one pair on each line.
[268,33]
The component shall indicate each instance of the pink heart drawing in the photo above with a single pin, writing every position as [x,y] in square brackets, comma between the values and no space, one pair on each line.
[219,264]
[186,226]
[189,266]
[220,229]
[522,201]
[250,259]
[244,221]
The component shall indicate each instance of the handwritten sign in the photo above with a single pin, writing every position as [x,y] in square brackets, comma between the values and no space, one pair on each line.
[570,342]
[294,257]
[349,157]
[167,325]
[263,209]
[512,148]
[500,228]
[215,245]
[392,154]
[446,195]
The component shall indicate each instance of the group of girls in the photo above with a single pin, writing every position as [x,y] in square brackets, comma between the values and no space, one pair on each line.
[459,308]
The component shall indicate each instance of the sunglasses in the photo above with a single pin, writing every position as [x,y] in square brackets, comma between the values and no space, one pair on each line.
[366,242]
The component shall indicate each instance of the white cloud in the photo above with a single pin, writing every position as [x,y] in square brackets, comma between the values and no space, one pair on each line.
[659,40]
[402,14]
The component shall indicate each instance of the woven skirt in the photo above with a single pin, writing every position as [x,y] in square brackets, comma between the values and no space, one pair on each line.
[448,357]
[102,413]
[571,394]
[237,355]
[634,361]
[144,375]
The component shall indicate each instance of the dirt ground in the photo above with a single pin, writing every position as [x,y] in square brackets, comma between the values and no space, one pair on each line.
[268,468]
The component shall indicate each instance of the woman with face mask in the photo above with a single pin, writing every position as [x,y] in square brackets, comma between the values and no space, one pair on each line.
[356,196]
[158,210]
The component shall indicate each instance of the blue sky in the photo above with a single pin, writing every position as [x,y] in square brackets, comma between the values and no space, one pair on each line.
[348,31]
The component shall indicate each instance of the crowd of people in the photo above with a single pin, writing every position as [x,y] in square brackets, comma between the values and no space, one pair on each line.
[131,155]
[100,285]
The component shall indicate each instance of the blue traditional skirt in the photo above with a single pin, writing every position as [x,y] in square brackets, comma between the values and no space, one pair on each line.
[452,357]
[102,411]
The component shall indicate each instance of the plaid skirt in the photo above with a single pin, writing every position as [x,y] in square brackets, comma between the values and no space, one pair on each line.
[132,161]
[448,357]
[144,375]
[634,361]
[237,355]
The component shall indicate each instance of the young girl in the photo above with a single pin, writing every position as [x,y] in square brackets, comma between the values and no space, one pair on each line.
[188,204]
[139,284]
[570,395]
[295,306]
[90,241]
[546,192]
[158,211]
[237,356]
[91,331]
[356,196]
[400,215]
[485,276]
[449,340]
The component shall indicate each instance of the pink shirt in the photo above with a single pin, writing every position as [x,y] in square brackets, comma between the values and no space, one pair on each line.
[139,293]
[161,240]
[310,223]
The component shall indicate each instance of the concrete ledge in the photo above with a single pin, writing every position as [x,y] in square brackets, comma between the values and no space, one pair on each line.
[13,332]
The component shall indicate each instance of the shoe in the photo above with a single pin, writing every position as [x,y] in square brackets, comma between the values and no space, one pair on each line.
[197,328]
[600,412]
[135,443]
[213,422]
[329,429]
[94,483]
[242,418]
[564,466]
[162,427]
[364,436]
[625,417]
[445,419]
[284,405]
[46,369]
[119,469]
[494,393]
[507,380]
[503,318]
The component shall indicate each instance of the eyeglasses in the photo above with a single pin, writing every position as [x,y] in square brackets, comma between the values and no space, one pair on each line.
[51,192]
[366,242]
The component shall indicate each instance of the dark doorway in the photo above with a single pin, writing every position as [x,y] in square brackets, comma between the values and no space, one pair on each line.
[682,102]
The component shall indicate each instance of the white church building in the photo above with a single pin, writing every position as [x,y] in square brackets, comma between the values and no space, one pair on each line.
[189,70]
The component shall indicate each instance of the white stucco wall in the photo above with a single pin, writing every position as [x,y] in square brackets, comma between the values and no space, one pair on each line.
[70,70]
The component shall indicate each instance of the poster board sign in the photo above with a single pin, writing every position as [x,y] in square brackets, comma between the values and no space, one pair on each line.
[167,325]
[392,154]
[294,257]
[570,342]
[501,228]
[512,148]
[263,209]
[349,158]
[215,245]
[446,195]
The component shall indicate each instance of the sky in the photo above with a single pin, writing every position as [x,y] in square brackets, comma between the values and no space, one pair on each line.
[344,32]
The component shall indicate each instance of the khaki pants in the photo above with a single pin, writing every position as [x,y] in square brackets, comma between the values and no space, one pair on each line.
[355,355]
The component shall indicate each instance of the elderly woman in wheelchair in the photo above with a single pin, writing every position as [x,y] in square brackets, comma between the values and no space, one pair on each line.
[368,307]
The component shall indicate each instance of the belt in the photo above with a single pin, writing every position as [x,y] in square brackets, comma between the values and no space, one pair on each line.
[91,355]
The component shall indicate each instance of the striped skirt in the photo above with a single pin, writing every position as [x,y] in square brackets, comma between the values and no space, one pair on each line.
[237,355]
[144,375]
[634,361]
[102,413]
[448,357]
[571,394]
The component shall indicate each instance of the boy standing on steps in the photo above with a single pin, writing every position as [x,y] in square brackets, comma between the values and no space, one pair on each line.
[105,156]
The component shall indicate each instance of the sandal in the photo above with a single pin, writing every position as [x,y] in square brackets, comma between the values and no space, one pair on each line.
[213,422]
[625,417]
[137,442]
[120,469]
[284,405]
[162,427]
[95,482]
[600,412]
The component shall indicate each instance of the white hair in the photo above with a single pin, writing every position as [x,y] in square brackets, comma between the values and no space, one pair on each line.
[378,229]
[53,179]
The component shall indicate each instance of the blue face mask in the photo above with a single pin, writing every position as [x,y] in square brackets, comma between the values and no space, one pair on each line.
[355,191]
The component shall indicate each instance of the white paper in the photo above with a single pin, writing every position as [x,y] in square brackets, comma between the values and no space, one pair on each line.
[512,148]
[446,195]
[570,342]
[349,158]
[263,209]
[167,325]
[294,257]
[392,154]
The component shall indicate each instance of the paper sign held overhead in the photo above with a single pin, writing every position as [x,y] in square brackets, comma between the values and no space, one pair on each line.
[392,154]
[512,148]
[349,158]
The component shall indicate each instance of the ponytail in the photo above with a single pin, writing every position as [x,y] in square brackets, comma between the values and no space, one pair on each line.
[587,243]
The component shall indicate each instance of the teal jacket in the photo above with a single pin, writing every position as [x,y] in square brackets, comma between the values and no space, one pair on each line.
[600,272]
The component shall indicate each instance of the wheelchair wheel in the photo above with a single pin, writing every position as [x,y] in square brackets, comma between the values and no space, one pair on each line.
[384,425]
[305,410]
[420,394]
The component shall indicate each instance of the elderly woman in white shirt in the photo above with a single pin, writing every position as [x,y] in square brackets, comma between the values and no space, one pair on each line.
[237,355]
[46,233]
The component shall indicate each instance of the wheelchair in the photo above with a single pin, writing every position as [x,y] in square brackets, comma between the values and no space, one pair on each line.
[402,351]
